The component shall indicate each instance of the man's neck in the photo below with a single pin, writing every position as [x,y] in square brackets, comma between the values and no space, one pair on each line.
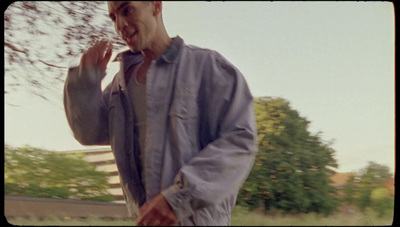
[157,48]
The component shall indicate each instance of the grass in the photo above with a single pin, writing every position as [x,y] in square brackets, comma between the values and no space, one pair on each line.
[67,221]
[240,217]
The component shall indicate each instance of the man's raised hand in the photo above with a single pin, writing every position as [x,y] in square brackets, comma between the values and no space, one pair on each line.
[95,60]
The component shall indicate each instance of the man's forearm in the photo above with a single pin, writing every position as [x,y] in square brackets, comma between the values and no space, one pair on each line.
[85,110]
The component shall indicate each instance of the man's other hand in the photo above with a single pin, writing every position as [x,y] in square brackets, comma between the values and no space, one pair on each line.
[157,212]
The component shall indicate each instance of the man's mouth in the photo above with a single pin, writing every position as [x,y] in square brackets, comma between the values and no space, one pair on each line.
[126,37]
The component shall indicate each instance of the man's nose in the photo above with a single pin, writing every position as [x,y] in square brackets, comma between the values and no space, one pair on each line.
[121,23]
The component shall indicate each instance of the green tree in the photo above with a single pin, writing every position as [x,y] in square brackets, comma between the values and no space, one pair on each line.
[381,201]
[33,172]
[350,190]
[292,167]
[369,179]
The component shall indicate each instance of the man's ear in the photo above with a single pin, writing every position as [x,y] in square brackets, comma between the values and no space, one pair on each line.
[157,7]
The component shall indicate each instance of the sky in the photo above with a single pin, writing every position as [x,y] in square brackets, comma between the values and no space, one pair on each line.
[333,62]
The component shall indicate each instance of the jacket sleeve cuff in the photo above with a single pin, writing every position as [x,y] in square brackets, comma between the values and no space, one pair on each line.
[91,78]
[179,201]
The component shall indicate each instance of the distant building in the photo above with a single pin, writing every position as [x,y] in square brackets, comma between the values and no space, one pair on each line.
[339,180]
[103,158]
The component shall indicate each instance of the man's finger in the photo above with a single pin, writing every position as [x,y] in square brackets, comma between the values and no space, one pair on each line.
[107,56]
[99,49]
[158,221]
[90,58]
[103,52]
[98,55]
[144,208]
[144,220]
[168,222]
[143,213]
[157,212]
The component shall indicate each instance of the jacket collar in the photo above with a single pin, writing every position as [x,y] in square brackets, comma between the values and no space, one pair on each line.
[170,55]
[129,58]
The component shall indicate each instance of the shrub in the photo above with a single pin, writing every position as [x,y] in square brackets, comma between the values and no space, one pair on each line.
[33,172]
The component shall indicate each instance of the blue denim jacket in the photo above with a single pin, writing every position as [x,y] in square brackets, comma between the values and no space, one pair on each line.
[200,136]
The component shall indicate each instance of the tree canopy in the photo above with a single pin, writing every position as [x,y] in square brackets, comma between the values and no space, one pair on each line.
[292,168]
[41,39]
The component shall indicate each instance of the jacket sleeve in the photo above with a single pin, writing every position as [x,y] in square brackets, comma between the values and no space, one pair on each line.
[222,166]
[86,106]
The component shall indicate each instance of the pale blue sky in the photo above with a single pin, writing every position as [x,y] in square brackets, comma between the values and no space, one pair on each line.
[333,61]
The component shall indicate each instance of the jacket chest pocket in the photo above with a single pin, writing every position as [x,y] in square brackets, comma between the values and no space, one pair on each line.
[184,105]
[184,109]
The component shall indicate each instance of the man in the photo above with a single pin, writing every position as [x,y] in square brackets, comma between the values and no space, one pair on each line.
[179,119]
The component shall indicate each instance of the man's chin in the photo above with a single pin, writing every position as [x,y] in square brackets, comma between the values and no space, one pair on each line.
[134,48]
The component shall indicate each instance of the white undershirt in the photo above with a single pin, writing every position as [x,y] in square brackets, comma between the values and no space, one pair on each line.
[137,93]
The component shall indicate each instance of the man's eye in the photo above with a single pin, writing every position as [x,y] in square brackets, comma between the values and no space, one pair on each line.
[127,11]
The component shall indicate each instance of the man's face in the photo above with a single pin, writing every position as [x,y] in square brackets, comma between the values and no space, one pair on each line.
[134,22]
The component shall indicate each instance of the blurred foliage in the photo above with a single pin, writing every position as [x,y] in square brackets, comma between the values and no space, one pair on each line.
[366,189]
[32,172]
[292,167]
[42,38]
[381,201]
